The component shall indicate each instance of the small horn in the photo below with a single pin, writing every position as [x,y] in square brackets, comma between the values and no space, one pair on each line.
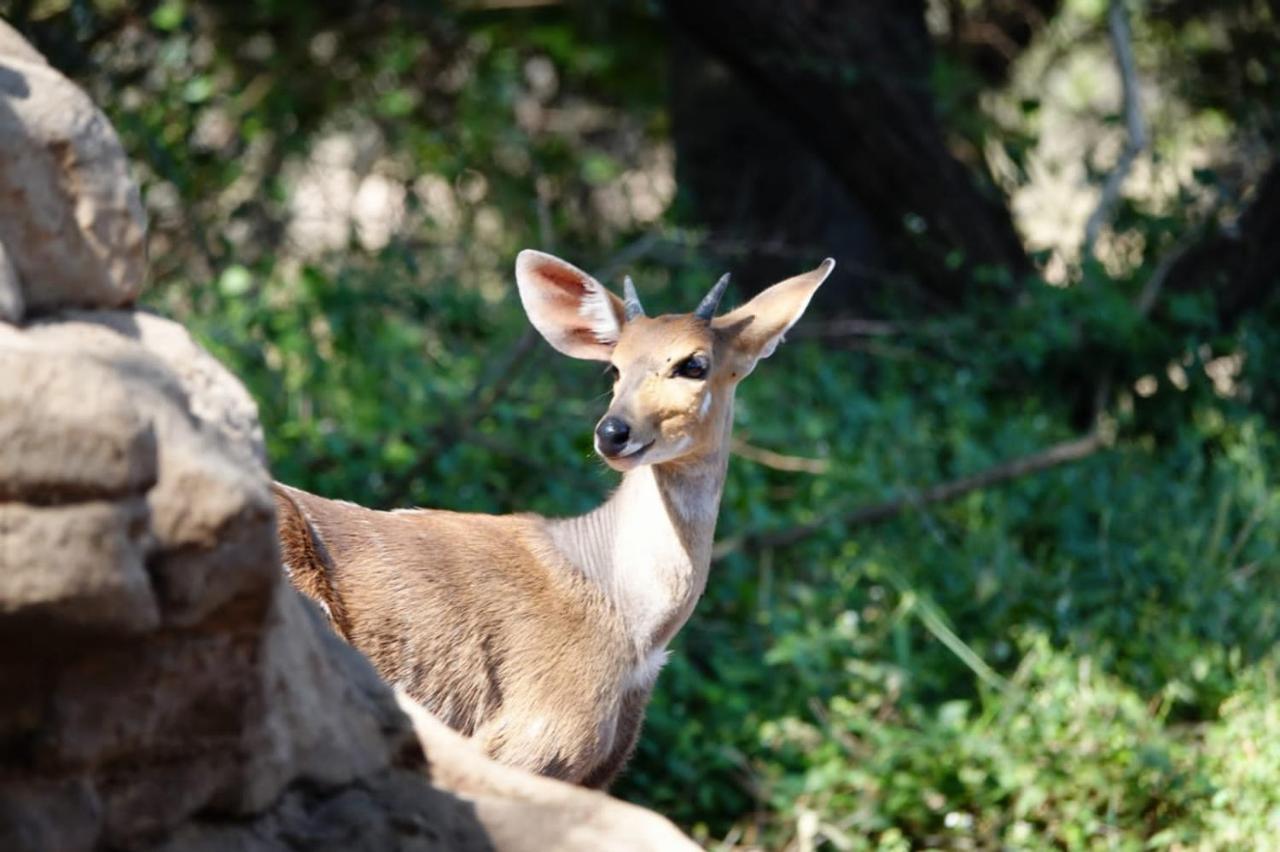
[631,307]
[707,309]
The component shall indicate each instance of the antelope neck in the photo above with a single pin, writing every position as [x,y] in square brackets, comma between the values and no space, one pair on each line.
[648,547]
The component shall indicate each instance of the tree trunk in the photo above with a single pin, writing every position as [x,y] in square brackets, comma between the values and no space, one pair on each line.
[1240,265]
[852,78]
[769,203]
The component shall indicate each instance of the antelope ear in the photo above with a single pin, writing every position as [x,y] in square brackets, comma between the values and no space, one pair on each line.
[568,307]
[755,329]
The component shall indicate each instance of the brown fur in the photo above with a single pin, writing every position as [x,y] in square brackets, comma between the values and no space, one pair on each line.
[476,618]
[541,638]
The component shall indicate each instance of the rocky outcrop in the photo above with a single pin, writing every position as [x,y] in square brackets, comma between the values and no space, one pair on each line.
[80,237]
[164,687]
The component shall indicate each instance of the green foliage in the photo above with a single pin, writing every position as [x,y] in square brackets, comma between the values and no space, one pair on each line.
[1075,659]
[1035,665]
[1062,758]
[1078,659]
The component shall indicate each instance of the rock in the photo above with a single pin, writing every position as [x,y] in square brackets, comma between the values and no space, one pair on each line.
[49,815]
[71,219]
[524,811]
[80,565]
[11,304]
[164,686]
[136,503]
[303,666]
[68,427]
[14,46]
[216,397]
[211,513]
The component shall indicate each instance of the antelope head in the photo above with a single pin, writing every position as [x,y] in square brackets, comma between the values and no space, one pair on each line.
[674,376]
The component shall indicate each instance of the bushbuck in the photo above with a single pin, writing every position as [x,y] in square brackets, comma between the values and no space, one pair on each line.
[541,637]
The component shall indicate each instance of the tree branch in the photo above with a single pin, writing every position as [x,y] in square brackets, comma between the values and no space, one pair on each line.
[1136,141]
[1051,457]
[778,461]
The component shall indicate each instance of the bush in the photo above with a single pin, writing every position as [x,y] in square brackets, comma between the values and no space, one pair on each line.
[1073,660]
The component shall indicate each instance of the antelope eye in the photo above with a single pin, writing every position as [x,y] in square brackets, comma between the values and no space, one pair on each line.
[693,367]
[611,373]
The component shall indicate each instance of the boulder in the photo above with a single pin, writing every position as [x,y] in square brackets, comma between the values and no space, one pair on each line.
[164,687]
[13,45]
[11,305]
[72,225]
[82,564]
[98,389]
[524,811]
[104,448]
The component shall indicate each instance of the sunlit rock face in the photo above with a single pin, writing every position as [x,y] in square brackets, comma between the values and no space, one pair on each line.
[80,237]
[164,687]
[163,681]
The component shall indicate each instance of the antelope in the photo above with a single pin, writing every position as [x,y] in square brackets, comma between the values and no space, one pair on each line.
[541,638]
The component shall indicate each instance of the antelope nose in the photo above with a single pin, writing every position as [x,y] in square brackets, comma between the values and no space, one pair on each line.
[612,435]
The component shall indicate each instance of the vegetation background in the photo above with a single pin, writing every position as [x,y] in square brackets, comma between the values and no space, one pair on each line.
[1000,548]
